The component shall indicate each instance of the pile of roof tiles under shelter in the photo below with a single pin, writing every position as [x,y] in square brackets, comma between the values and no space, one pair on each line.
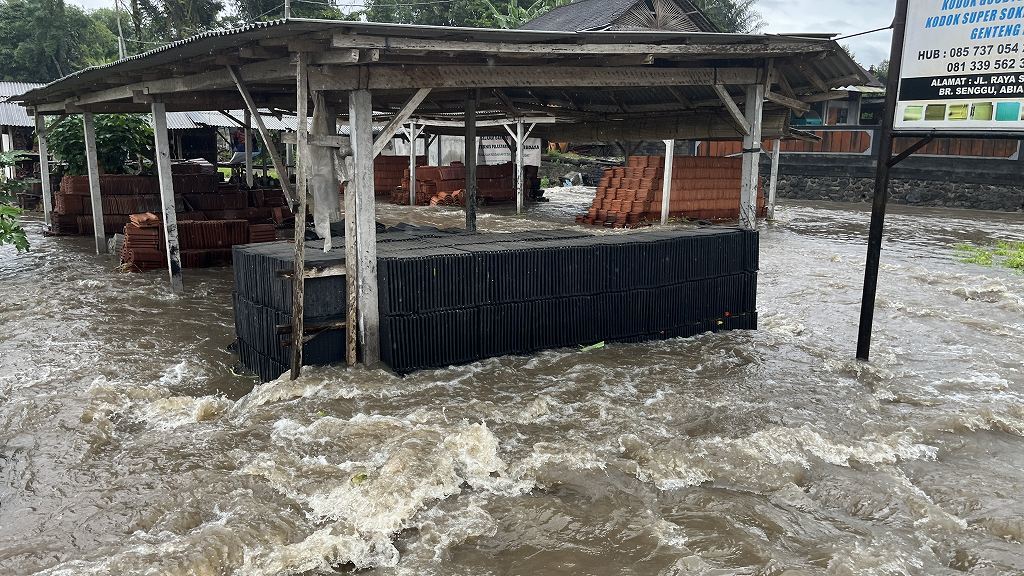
[450,298]
[702,188]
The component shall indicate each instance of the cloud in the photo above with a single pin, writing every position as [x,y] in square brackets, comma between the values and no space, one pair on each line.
[841,17]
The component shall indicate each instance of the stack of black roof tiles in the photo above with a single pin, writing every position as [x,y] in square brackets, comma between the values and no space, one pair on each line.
[451,298]
[263,301]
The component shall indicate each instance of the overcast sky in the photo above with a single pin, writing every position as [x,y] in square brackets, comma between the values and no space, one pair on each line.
[784,16]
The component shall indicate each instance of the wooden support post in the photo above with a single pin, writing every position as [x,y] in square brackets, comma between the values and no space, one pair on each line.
[412,163]
[44,170]
[773,179]
[471,162]
[360,105]
[93,163]
[268,142]
[299,278]
[666,184]
[163,165]
[247,129]
[520,181]
[751,156]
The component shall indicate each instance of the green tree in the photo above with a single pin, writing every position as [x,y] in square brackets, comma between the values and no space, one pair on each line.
[256,10]
[11,231]
[472,13]
[881,71]
[42,40]
[121,141]
[510,14]
[739,16]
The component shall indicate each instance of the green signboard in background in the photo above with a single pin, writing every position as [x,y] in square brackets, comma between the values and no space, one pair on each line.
[963,66]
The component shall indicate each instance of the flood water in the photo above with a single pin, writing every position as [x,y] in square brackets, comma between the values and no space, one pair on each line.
[127,446]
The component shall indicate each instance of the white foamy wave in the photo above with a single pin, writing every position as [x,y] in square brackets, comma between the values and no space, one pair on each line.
[769,459]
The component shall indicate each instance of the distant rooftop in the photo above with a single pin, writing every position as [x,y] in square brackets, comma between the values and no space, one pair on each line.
[624,15]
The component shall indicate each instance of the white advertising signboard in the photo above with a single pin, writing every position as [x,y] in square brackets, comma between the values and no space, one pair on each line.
[963,66]
[494,150]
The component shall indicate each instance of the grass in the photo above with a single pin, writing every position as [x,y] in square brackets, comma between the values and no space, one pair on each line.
[1003,253]
[225,172]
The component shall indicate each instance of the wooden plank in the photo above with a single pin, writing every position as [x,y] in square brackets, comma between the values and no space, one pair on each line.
[392,127]
[361,187]
[382,77]
[268,142]
[486,123]
[170,216]
[791,103]
[751,157]
[280,69]
[299,279]
[343,40]
[89,126]
[44,169]
[703,125]
[734,111]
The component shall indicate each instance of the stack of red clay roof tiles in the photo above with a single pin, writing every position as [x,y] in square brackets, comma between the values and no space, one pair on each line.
[262,233]
[703,188]
[198,196]
[202,242]
[389,171]
[441,185]
[143,247]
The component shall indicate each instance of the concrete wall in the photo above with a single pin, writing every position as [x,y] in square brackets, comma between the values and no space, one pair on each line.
[984,184]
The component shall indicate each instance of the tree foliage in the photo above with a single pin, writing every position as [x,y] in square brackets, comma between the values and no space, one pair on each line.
[41,40]
[11,231]
[472,13]
[881,71]
[739,16]
[124,142]
[510,14]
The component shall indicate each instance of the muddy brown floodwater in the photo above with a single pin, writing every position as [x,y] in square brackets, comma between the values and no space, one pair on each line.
[128,447]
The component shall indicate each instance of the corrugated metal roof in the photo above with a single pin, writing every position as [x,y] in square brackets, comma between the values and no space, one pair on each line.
[15,88]
[219,120]
[216,41]
[12,114]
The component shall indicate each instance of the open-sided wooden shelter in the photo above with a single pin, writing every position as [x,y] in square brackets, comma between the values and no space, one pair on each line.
[579,86]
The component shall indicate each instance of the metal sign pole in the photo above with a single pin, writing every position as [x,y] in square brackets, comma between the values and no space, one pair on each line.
[867,310]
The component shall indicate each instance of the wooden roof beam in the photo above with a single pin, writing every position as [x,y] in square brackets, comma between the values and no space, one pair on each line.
[738,118]
[410,77]
[759,50]
[255,72]
[793,104]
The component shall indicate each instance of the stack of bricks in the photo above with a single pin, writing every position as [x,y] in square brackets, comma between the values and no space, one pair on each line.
[202,242]
[703,188]
[391,173]
[198,194]
[437,185]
